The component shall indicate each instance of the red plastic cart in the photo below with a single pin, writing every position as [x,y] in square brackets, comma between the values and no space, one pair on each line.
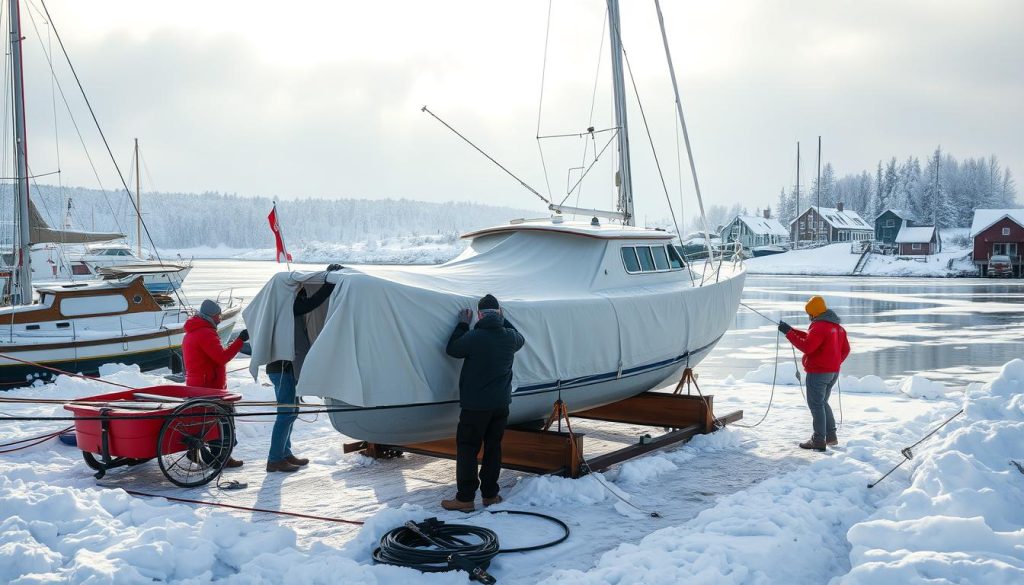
[189,431]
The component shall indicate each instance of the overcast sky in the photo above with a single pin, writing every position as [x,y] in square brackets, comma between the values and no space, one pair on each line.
[295,99]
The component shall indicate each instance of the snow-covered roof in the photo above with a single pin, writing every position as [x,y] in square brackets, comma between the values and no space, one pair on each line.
[762,226]
[845,219]
[902,214]
[915,235]
[986,218]
[604,230]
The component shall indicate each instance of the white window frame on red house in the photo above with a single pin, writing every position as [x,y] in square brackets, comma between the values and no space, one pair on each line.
[915,246]
[1006,231]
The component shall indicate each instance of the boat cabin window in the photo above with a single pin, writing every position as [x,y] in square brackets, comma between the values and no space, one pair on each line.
[93,305]
[674,259]
[646,259]
[651,259]
[629,259]
[660,257]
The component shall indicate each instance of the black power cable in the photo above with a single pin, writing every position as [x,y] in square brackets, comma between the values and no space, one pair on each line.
[433,546]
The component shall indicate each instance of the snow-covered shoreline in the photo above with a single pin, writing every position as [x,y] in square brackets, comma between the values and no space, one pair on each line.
[837,260]
[952,514]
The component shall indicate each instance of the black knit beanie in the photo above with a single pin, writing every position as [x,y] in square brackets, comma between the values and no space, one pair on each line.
[487,302]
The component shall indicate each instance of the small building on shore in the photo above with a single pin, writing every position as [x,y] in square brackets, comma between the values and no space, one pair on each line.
[918,241]
[889,222]
[830,224]
[998,232]
[753,230]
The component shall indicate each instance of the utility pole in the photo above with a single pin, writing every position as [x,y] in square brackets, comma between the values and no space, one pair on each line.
[818,189]
[796,242]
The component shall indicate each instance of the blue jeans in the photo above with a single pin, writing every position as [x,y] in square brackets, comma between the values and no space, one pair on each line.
[281,437]
[819,389]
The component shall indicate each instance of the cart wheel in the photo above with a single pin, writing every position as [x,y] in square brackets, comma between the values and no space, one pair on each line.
[195,442]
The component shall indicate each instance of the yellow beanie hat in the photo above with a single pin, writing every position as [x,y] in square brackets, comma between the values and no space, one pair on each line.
[815,306]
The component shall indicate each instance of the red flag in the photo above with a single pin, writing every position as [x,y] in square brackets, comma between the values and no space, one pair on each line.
[278,238]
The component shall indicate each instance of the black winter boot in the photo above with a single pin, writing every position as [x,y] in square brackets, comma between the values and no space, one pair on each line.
[831,439]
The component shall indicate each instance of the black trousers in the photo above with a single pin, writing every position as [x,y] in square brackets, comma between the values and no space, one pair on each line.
[476,427]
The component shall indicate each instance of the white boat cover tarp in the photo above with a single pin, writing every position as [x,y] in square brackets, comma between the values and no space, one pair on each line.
[383,342]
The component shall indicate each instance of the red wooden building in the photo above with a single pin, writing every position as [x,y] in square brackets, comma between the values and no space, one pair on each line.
[918,241]
[998,232]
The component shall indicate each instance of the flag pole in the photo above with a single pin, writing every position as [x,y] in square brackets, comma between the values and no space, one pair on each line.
[280,231]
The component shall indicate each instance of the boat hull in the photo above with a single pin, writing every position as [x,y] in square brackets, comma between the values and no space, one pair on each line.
[149,350]
[402,425]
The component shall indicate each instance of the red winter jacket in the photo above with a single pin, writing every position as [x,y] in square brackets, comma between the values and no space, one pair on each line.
[824,344]
[205,359]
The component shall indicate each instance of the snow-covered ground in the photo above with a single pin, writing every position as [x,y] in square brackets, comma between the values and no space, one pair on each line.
[738,506]
[429,249]
[838,260]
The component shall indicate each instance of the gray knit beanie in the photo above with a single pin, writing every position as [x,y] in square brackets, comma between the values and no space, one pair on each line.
[209,309]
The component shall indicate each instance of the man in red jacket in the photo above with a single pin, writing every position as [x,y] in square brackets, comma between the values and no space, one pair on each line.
[205,359]
[825,348]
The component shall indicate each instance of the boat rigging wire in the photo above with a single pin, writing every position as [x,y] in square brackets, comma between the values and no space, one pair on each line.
[71,117]
[103,136]
[682,123]
[489,157]
[908,452]
[540,100]
[650,139]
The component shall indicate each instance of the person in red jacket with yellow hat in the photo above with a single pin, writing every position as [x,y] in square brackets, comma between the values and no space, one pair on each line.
[825,348]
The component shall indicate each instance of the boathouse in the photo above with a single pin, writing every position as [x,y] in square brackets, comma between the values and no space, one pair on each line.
[998,232]
[918,241]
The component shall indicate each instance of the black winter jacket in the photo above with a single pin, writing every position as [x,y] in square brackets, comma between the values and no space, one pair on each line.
[486,379]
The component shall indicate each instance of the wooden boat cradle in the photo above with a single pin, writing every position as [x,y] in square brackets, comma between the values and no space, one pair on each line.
[557,452]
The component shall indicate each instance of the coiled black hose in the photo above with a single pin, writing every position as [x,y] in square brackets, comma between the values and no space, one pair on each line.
[433,546]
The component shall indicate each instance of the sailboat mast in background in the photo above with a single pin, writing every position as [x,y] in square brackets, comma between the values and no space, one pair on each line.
[22,290]
[138,204]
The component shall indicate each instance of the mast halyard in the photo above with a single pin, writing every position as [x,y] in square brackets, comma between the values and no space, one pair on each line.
[22,291]
[623,178]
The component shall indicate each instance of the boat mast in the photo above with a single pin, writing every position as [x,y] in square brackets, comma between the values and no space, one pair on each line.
[22,292]
[623,178]
[138,204]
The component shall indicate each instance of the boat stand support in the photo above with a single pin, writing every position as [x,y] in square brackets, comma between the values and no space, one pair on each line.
[539,451]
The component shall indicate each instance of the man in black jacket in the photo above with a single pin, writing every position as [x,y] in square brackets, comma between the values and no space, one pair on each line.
[284,374]
[485,391]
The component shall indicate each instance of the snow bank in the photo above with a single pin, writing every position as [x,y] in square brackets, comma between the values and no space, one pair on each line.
[836,259]
[869,384]
[766,372]
[917,386]
[781,531]
[960,520]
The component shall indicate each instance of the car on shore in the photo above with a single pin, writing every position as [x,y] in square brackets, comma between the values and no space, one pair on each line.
[1000,266]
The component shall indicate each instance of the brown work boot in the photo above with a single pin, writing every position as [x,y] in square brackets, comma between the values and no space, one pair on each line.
[492,501]
[300,461]
[282,465]
[831,439]
[458,505]
[232,462]
[813,445]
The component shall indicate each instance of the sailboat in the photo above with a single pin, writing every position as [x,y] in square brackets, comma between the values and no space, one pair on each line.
[608,310]
[79,326]
[69,255]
